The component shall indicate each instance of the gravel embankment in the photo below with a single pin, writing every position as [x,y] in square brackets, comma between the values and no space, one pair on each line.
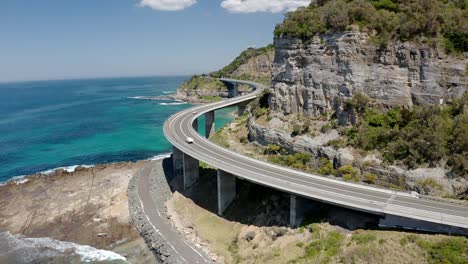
[161,193]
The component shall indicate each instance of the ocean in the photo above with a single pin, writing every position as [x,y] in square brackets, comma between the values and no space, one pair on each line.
[50,124]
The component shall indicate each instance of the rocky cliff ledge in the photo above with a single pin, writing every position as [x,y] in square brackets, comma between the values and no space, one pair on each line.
[307,78]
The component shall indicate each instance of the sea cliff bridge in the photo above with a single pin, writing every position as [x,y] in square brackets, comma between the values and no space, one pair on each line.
[395,209]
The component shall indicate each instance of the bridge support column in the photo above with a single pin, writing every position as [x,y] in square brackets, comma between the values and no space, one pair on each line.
[296,210]
[195,124]
[191,171]
[226,190]
[241,108]
[209,123]
[235,91]
[177,168]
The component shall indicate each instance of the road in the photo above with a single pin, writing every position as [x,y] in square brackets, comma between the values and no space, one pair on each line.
[154,211]
[350,195]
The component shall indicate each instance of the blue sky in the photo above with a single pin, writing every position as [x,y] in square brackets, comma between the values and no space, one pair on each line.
[60,39]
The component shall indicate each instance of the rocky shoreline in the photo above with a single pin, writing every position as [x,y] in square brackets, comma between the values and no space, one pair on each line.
[87,206]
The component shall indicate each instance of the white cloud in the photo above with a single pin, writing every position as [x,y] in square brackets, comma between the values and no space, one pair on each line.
[167,5]
[273,6]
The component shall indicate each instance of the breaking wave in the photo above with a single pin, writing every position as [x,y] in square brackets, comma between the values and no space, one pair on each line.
[173,103]
[21,249]
[160,157]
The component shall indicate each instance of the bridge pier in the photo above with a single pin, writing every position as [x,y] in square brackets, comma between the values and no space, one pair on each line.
[209,123]
[296,210]
[233,89]
[191,171]
[226,190]
[241,108]
[177,167]
[195,124]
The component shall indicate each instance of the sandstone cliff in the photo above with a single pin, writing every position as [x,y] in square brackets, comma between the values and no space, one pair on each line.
[308,78]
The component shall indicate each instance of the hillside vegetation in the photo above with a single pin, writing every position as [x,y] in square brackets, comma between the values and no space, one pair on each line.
[429,21]
[426,134]
[243,58]
[252,64]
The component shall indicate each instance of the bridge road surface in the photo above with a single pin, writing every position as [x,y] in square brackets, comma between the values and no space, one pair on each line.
[154,211]
[360,197]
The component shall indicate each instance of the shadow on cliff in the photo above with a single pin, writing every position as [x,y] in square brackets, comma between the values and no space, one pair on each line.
[263,206]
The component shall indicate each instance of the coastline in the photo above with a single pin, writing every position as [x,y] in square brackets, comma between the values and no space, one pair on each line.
[21,179]
[86,206]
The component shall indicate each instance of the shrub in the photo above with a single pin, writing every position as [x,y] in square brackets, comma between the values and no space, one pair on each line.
[349,173]
[370,178]
[325,128]
[391,19]
[326,167]
[422,135]
[272,149]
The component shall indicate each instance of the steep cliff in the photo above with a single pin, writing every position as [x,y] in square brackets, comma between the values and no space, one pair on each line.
[309,77]
[252,64]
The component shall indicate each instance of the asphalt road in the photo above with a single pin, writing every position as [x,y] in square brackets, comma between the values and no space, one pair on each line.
[154,211]
[355,196]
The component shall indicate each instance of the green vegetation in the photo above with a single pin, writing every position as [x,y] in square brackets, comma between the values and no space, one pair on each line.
[349,173]
[430,184]
[298,160]
[424,20]
[326,167]
[322,250]
[211,98]
[242,59]
[362,237]
[273,149]
[198,81]
[423,135]
[370,178]
[450,250]
[220,138]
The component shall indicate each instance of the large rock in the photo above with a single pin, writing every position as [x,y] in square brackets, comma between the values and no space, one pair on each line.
[309,78]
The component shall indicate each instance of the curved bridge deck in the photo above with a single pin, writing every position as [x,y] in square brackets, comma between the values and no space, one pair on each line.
[355,196]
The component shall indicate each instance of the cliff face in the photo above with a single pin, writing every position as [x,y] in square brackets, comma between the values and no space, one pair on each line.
[308,78]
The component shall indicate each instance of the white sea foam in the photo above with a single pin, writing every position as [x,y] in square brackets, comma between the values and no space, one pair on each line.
[174,103]
[152,98]
[19,179]
[168,92]
[160,157]
[68,169]
[35,248]
[24,178]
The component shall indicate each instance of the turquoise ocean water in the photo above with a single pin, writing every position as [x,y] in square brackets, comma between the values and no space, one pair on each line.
[50,124]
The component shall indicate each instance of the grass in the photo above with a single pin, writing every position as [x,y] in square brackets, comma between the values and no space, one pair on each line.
[447,251]
[362,237]
[322,250]
[220,138]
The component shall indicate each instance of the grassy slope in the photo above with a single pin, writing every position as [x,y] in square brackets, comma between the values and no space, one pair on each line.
[318,242]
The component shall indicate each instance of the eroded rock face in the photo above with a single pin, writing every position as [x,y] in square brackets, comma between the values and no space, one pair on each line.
[258,67]
[309,78]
